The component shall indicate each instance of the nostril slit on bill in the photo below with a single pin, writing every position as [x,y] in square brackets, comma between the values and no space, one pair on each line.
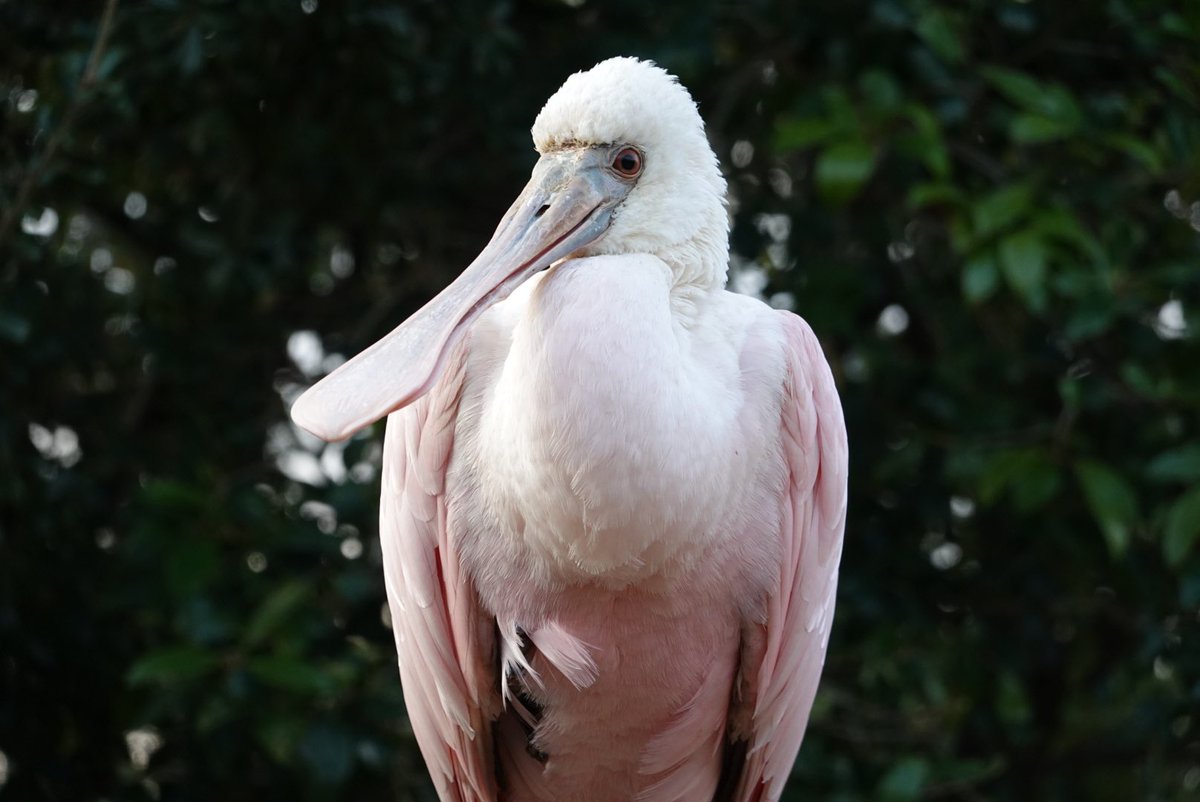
[542,211]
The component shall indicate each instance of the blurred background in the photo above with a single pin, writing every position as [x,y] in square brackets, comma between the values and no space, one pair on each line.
[989,212]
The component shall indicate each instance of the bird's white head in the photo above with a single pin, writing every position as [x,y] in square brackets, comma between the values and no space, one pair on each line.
[676,210]
[625,168]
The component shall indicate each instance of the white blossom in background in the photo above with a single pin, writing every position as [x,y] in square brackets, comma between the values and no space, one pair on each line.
[961,507]
[106,539]
[748,280]
[135,205]
[299,455]
[1163,671]
[333,462]
[1173,202]
[341,261]
[300,466]
[142,744]
[101,260]
[324,515]
[42,226]
[60,444]
[899,251]
[306,352]
[352,548]
[1170,324]
[332,362]
[27,101]
[780,181]
[945,556]
[775,226]
[893,320]
[120,281]
[783,300]
[742,153]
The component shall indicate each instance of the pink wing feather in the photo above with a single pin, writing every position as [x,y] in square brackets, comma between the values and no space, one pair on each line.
[443,640]
[800,612]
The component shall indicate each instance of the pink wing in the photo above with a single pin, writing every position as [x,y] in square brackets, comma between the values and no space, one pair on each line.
[800,612]
[443,640]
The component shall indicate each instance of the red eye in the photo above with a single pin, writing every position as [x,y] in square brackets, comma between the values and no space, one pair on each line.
[628,162]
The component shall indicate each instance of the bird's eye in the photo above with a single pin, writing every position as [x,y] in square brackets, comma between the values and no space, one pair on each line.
[628,162]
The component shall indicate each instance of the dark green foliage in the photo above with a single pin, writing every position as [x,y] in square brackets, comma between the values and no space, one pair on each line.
[987,210]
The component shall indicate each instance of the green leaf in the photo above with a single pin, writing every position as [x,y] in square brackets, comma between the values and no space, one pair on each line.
[179,498]
[840,109]
[1112,503]
[1139,378]
[1052,101]
[291,673]
[1037,483]
[933,151]
[172,665]
[980,277]
[1137,149]
[1023,262]
[1177,465]
[932,194]
[880,89]
[940,32]
[1033,129]
[1018,87]
[1062,224]
[274,610]
[804,133]
[1026,473]
[1012,703]
[1180,87]
[1176,24]
[843,169]
[1001,209]
[1183,526]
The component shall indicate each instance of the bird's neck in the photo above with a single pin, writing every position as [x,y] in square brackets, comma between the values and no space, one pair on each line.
[696,258]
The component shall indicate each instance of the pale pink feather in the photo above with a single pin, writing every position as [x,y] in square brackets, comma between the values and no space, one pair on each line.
[689,749]
[443,641]
[800,612]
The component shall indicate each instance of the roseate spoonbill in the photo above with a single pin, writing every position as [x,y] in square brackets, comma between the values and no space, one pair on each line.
[613,492]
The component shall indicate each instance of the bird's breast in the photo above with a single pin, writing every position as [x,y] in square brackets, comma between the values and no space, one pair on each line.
[607,440]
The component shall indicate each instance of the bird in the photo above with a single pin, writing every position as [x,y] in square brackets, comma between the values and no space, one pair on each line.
[613,492]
